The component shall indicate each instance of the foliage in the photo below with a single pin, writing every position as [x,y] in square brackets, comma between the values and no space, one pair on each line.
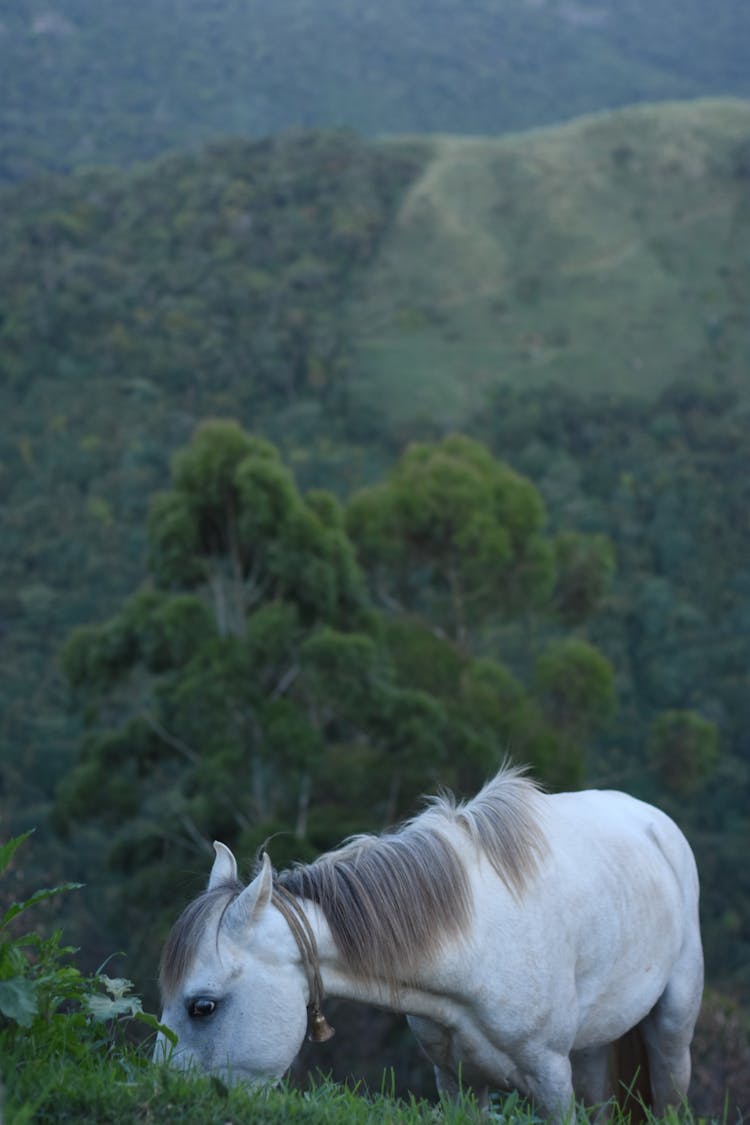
[48,1007]
[585,566]
[252,688]
[173,294]
[667,483]
[200,272]
[455,532]
[136,305]
[685,749]
[244,634]
[574,684]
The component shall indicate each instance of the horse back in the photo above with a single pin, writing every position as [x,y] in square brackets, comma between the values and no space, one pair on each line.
[623,835]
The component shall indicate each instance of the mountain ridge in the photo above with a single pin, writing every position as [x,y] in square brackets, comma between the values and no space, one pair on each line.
[92,82]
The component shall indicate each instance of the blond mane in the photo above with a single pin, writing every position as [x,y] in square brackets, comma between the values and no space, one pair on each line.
[392,901]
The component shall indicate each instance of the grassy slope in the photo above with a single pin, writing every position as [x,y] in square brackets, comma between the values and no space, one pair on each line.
[93,1092]
[605,254]
[98,1090]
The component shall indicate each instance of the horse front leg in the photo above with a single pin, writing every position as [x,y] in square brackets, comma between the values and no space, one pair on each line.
[591,1075]
[536,1072]
[449,1087]
[435,1041]
[548,1081]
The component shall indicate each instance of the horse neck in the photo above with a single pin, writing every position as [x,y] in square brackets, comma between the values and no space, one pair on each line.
[341,984]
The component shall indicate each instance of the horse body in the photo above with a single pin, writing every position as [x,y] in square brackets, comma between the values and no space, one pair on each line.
[531,932]
[605,938]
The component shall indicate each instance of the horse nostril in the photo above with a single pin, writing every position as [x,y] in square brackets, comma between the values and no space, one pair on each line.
[202,1007]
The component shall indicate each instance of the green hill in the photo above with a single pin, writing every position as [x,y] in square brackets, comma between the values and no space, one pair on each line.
[96,81]
[608,255]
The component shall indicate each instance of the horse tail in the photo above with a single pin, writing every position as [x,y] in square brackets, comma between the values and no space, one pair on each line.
[631,1075]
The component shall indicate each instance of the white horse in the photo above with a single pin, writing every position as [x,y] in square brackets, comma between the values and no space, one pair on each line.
[522,933]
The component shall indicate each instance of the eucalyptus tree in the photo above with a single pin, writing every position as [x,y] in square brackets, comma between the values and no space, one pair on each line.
[455,533]
[211,694]
[296,670]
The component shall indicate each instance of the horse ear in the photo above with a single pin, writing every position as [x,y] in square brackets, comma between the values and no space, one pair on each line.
[224,869]
[255,897]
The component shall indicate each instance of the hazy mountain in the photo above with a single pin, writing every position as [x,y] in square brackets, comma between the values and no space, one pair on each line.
[86,81]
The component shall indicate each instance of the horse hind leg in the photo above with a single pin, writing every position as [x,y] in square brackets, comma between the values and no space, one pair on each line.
[668,1030]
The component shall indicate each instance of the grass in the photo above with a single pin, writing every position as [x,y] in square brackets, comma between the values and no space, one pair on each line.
[156,1094]
[131,1090]
[513,259]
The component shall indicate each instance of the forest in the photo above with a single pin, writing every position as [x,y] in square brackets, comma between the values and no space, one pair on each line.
[334,471]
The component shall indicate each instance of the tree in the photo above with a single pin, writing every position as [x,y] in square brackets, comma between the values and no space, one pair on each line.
[574,685]
[684,749]
[253,688]
[585,566]
[456,534]
[212,692]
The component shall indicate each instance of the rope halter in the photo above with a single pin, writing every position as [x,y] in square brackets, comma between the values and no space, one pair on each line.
[319,1030]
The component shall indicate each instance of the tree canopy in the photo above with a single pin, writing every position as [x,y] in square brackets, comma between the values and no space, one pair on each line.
[295,669]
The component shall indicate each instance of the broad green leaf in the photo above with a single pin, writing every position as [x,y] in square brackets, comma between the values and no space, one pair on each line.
[18,1000]
[105,1008]
[39,896]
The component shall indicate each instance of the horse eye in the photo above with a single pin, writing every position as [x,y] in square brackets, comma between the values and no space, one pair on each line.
[202,1007]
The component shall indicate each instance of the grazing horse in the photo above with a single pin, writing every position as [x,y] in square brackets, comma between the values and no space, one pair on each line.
[524,934]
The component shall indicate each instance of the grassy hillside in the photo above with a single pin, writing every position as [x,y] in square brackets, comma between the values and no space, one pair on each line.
[608,255]
[92,81]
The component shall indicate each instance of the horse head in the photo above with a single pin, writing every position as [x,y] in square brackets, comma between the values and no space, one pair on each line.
[233,987]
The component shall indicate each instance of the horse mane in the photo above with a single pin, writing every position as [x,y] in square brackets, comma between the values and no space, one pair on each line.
[391,901]
[182,942]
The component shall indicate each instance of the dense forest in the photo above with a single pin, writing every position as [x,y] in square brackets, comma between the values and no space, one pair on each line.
[333,471]
[92,81]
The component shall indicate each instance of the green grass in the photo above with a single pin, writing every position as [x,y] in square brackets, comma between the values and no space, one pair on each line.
[605,255]
[133,1091]
[155,1094]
